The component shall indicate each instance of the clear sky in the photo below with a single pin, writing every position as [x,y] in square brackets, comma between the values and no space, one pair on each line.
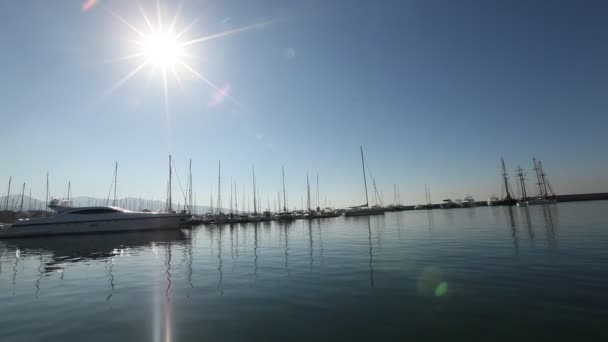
[435,91]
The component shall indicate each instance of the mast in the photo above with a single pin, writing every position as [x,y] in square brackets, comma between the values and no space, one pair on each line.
[538,177]
[47,192]
[190,186]
[115,181]
[10,179]
[522,182]
[542,176]
[236,204]
[505,179]
[255,201]
[29,202]
[284,196]
[211,200]
[395,189]
[169,190]
[231,207]
[22,194]
[307,192]
[219,187]
[69,189]
[364,178]
[317,190]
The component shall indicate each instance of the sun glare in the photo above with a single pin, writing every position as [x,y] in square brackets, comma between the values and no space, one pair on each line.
[162,49]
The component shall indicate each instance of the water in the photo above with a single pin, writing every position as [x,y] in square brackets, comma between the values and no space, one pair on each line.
[537,273]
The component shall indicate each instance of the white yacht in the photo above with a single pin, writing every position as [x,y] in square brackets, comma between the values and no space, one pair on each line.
[58,204]
[448,204]
[467,202]
[93,220]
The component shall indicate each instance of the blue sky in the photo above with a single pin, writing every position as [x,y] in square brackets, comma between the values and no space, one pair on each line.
[435,91]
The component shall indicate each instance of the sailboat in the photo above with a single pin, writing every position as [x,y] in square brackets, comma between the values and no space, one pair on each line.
[546,195]
[522,202]
[365,209]
[284,215]
[508,199]
[427,195]
[255,217]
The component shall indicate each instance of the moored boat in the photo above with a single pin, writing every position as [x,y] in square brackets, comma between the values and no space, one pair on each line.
[85,220]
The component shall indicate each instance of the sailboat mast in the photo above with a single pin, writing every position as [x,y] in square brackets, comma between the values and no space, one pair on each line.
[364,177]
[115,181]
[255,200]
[236,202]
[190,186]
[538,177]
[522,183]
[8,194]
[307,192]
[219,187]
[542,176]
[395,196]
[284,196]
[317,190]
[505,179]
[22,194]
[29,202]
[47,192]
[169,199]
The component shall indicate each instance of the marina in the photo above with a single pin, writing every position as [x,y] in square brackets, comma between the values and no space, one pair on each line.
[70,219]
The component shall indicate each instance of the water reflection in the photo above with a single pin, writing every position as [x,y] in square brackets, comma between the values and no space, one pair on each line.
[310,244]
[59,252]
[549,227]
[529,223]
[109,266]
[255,252]
[371,253]
[168,255]
[220,286]
[513,229]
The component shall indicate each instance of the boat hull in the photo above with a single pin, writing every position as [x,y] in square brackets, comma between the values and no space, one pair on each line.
[364,212]
[156,222]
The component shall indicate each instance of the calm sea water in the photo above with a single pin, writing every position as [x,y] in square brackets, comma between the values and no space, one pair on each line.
[538,273]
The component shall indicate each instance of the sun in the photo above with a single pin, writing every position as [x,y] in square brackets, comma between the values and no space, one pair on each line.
[162,49]
[160,46]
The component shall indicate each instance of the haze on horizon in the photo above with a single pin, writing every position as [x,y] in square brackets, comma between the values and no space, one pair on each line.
[436,92]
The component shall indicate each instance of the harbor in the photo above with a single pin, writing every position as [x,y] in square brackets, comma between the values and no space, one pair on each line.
[142,214]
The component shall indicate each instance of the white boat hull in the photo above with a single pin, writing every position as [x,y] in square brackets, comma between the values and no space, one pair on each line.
[153,222]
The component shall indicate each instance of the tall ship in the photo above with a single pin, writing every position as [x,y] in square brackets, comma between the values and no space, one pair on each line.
[508,199]
[545,190]
[365,209]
